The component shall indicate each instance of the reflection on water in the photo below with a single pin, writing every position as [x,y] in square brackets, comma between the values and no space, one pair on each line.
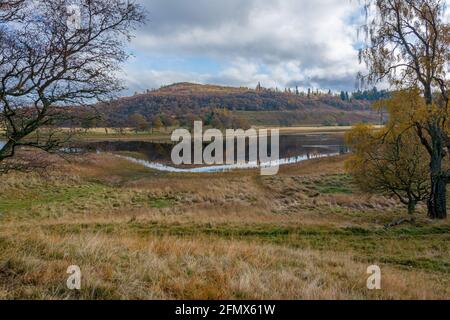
[225,168]
[290,146]
[159,152]
[293,149]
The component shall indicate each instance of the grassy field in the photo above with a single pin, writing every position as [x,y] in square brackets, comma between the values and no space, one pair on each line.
[307,233]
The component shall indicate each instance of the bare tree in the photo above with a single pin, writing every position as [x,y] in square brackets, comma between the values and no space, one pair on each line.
[409,45]
[54,54]
[11,9]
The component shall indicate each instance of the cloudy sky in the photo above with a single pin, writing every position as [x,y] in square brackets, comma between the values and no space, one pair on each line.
[281,43]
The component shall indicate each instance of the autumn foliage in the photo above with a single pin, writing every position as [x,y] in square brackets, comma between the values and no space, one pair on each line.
[392,160]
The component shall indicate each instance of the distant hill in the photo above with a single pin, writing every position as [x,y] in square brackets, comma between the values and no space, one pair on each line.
[182,103]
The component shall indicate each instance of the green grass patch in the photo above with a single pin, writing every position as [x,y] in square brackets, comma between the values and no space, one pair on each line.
[333,184]
[48,196]
[53,200]
[161,203]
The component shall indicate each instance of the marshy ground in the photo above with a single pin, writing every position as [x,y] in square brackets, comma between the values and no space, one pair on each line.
[307,233]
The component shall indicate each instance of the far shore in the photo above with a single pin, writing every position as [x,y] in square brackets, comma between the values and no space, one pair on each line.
[164,134]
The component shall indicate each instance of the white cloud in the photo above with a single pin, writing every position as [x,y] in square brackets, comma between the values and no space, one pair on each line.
[149,79]
[277,42]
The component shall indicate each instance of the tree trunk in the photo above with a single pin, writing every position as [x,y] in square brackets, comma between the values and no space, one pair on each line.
[411,207]
[437,203]
[7,151]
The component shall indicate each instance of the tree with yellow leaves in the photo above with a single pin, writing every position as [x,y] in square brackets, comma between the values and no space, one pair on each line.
[409,47]
[392,160]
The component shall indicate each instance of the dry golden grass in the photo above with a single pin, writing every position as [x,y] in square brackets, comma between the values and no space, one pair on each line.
[34,264]
[139,234]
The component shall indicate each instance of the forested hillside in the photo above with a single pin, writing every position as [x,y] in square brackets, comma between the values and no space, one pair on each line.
[226,106]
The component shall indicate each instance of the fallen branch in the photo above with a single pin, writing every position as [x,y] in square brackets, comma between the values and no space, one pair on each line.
[399,222]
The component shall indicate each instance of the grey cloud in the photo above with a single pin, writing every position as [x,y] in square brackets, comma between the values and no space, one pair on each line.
[169,16]
[333,82]
[287,41]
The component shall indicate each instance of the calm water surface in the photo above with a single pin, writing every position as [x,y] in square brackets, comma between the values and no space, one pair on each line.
[293,149]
